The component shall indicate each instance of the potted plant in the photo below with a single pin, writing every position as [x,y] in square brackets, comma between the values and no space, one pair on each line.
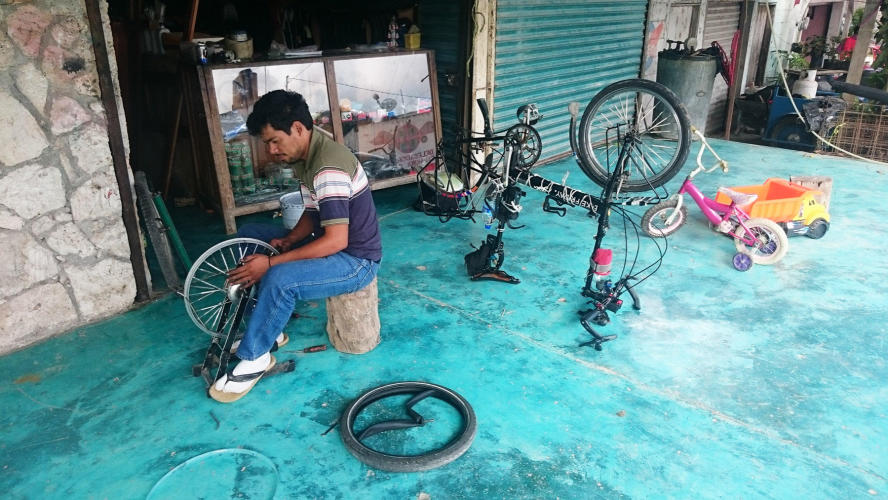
[831,56]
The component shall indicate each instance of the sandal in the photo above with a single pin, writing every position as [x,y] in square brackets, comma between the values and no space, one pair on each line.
[230,397]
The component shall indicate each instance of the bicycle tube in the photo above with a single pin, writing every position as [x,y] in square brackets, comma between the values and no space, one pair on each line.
[407,463]
[153,225]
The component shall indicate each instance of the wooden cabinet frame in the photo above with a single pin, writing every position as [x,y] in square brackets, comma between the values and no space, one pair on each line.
[225,197]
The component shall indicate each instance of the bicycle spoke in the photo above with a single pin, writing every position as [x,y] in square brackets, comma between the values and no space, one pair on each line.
[207,283]
[654,153]
[210,307]
[221,272]
[657,123]
[216,319]
[236,261]
[202,295]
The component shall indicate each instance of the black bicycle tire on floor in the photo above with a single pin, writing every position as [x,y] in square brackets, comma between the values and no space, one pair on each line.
[159,241]
[412,463]
[598,173]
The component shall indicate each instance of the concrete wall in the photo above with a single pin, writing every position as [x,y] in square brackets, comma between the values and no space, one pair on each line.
[64,258]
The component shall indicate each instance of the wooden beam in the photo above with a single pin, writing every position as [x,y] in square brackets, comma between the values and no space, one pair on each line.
[864,35]
[118,153]
[192,20]
[745,27]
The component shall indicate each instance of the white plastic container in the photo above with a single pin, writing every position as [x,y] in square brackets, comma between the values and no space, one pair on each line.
[806,85]
[292,207]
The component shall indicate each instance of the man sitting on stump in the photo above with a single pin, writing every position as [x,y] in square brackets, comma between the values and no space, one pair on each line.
[334,249]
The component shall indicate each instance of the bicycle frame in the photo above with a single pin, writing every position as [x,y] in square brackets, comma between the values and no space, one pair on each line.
[717,213]
[507,193]
[714,211]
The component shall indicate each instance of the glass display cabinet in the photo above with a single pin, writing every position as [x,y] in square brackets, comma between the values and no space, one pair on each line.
[381,105]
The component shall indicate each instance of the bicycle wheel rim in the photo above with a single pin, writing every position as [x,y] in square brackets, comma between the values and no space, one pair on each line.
[647,117]
[206,288]
[771,241]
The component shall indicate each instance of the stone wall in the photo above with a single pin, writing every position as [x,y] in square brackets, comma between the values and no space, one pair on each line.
[64,257]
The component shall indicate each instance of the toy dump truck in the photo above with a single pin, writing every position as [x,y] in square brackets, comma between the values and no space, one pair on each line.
[794,207]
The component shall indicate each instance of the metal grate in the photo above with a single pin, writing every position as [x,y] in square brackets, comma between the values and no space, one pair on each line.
[864,132]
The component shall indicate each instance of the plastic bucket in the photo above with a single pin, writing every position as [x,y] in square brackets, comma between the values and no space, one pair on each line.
[292,207]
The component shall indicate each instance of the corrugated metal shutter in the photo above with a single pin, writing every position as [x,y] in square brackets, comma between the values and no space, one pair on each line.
[440,20]
[556,51]
[721,22]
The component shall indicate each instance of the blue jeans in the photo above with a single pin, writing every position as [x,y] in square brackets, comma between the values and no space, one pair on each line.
[286,283]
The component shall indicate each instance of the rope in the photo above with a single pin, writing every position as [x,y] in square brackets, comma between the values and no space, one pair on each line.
[799,114]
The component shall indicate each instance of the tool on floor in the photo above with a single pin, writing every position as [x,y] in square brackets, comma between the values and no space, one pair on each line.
[315,348]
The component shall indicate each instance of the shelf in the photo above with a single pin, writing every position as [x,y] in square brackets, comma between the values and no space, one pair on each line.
[383,106]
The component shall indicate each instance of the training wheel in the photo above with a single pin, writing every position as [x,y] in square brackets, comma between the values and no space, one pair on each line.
[742,262]
[207,292]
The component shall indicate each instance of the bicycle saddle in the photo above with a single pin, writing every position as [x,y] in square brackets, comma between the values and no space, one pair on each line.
[532,112]
[740,199]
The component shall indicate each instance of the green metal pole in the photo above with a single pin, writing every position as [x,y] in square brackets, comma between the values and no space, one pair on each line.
[171,231]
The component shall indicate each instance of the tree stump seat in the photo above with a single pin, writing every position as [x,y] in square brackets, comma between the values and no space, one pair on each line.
[353,320]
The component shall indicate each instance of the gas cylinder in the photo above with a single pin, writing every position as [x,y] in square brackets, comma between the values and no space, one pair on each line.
[806,85]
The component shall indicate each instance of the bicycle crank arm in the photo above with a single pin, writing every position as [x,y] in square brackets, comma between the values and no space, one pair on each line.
[597,339]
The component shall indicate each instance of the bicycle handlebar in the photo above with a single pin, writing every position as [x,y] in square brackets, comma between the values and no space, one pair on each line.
[485,113]
[704,146]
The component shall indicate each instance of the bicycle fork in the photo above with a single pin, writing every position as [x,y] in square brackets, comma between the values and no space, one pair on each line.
[606,294]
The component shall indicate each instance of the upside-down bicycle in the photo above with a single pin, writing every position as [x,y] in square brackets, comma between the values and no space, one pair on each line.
[633,137]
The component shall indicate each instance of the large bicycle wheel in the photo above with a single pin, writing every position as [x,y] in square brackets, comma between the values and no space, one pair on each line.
[766,241]
[645,117]
[208,295]
[156,231]
[453,448]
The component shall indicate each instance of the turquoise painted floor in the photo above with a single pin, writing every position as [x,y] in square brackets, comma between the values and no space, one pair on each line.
[766,384]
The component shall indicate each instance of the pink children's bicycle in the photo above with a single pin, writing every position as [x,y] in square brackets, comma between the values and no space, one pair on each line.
[759,241]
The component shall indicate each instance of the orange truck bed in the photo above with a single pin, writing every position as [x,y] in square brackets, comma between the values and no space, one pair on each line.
[778,199]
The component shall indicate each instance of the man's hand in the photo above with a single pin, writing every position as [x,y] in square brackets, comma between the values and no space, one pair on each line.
[252,269]
[281,244]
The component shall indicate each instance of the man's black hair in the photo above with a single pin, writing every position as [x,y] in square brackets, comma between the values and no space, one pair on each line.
[279,108]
